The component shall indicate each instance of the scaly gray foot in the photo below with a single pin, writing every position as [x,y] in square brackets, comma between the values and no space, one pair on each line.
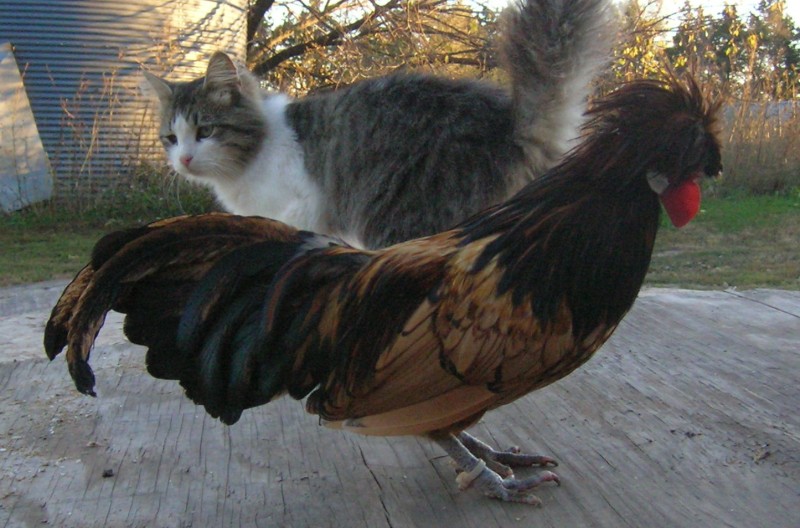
[507,489]
[475,471]
[503,462]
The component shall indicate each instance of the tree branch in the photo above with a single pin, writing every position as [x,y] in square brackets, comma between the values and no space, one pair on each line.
[255,14]
[331,38]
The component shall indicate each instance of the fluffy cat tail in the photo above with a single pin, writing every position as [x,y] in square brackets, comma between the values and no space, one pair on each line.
[552,49]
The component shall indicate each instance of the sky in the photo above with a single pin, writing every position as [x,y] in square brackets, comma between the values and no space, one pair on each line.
[744,7]
[712,7]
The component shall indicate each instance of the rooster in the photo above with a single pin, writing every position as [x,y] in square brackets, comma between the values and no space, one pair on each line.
[424,337]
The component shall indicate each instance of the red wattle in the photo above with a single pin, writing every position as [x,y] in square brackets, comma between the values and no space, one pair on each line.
[682,202]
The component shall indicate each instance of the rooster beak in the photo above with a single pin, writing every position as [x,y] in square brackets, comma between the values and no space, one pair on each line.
[658,182]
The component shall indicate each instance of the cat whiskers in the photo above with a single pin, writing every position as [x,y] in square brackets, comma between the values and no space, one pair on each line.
[173,187]
[223,167]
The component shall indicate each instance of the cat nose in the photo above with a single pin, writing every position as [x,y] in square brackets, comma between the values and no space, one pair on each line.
[186,159]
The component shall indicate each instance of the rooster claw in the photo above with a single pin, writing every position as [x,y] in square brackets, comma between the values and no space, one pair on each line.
[514,457]
[503,462]
[508,489]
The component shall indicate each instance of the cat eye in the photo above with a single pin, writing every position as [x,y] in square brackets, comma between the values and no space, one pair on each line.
[171,139]
[204,132]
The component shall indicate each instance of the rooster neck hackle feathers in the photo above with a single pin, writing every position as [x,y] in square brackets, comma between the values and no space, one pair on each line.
[584,232]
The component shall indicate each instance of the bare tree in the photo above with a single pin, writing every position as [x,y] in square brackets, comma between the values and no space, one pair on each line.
[301,44]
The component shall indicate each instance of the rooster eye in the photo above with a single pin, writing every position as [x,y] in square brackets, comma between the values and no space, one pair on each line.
[204,132]
[170,139]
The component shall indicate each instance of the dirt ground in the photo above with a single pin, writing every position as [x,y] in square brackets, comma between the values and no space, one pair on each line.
[687,417]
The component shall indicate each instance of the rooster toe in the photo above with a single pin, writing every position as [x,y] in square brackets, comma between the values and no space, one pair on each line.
[510,489]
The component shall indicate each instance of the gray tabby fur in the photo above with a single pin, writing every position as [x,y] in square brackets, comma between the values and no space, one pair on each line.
[396,157]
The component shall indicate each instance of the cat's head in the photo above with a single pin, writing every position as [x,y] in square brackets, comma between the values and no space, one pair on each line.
[211,127]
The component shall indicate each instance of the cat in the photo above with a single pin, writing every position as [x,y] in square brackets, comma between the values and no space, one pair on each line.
[394,157]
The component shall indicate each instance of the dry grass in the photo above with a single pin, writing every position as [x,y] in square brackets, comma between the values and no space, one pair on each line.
[761,149]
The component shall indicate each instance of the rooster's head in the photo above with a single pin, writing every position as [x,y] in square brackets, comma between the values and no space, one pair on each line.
[670,129]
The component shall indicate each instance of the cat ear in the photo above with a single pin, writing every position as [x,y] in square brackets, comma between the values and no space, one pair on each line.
[155,86]
[222,73]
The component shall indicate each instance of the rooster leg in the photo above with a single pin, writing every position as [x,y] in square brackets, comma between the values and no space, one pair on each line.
[475,473]
[502,462]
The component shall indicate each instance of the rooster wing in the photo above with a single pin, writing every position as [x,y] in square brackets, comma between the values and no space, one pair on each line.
[421,343]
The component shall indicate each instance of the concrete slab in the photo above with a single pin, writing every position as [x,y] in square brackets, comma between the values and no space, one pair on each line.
[687,417]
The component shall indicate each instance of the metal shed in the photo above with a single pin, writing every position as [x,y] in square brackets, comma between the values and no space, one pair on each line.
[80,62]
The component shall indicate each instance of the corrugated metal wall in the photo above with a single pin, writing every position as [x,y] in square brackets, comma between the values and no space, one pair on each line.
[80,62]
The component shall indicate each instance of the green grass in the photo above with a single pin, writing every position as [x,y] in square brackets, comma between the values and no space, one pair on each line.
[44,254]
[40,244]
[47,242]
[736,241]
